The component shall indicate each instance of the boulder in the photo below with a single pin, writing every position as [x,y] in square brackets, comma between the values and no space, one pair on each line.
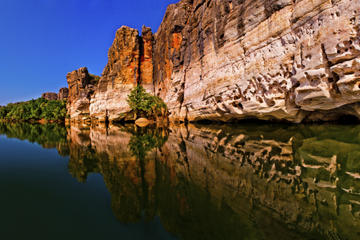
[142,122]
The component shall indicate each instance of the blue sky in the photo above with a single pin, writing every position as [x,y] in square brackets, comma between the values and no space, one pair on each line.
[42,40]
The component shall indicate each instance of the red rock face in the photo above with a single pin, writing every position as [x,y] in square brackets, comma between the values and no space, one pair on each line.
[124,55]
[169,52]
[130,64]
[146,59]
[120,75]
[50,96]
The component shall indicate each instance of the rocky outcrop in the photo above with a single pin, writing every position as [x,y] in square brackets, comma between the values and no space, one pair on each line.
[237,59]
[120,75]
[81,87]
[130,64]
[63,94]
[49,96]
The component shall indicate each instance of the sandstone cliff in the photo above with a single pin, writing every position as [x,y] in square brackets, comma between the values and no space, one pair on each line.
[130,63]
[294,60]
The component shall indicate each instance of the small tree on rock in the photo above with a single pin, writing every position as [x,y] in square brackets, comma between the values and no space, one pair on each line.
[146,105]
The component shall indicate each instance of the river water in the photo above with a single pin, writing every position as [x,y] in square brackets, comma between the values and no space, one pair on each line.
[244,181]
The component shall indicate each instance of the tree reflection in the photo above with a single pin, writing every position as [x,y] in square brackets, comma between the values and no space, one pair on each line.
[143,140]
[47,135]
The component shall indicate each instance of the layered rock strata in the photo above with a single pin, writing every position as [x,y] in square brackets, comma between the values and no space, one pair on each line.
[228,60]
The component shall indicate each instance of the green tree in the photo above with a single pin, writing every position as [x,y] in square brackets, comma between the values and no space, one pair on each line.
[145,104]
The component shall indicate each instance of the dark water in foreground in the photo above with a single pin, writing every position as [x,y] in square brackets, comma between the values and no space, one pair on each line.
[247,181]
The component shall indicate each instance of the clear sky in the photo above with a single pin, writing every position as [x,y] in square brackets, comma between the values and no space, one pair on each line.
[42,40]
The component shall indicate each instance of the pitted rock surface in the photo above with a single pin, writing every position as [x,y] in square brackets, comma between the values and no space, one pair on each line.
[282,59]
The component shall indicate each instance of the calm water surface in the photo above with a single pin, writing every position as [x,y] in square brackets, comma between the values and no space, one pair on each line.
[245,181]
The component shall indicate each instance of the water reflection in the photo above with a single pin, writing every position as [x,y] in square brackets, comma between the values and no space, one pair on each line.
[48,136]
[247,181]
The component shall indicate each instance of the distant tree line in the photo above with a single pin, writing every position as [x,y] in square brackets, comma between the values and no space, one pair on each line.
[34,110]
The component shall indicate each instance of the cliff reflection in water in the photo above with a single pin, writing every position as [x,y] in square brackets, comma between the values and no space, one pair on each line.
[224,182]
[227,182]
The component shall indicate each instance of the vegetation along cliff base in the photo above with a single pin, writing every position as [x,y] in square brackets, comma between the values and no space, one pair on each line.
[39,110]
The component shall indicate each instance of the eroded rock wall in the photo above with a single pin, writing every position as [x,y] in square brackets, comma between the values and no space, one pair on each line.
[292,60]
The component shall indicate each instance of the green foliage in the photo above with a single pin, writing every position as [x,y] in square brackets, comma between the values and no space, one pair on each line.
[52,110]
[145,104]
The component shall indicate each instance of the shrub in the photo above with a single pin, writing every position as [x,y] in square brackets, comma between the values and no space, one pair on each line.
[145,104]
